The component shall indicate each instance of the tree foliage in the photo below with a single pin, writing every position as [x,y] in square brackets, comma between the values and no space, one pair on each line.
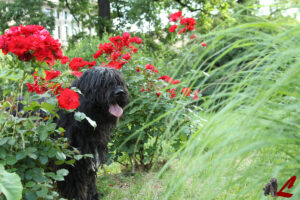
[18,12]
[125,13]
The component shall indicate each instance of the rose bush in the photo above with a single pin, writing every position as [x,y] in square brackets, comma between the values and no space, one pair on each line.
[26,121]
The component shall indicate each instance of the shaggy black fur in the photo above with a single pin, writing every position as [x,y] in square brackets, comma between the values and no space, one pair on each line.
[101,88]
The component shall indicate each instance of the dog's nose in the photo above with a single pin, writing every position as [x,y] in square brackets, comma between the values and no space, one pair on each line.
[119,92]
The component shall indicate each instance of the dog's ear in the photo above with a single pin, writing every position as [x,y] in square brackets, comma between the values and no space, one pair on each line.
[90,82]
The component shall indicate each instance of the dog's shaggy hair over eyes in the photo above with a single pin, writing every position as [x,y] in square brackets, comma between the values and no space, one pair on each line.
[104,94]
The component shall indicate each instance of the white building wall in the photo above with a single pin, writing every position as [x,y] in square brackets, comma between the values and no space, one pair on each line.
[65,25]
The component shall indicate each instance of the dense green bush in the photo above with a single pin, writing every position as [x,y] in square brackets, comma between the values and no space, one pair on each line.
[151,112]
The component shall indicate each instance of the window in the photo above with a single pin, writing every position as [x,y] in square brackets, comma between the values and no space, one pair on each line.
[73,29]
[66,15]
[57,14]
[48,12]
[67,32]
[58,32]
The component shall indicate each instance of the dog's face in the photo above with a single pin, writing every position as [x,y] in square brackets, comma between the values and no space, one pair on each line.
[105,88]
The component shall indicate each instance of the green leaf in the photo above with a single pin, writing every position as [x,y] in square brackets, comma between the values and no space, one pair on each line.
[60,155]
[33,106]
[62,172]
[43,192]
[20,155]
[3,140]
[31,195]
[31,149]
[51,126]
[33,156]
[88,156]
[52,152]
[79,116]
[59,162]
[43,134]
[11,160]
[70,162]
[78,157]
[47,106]
[11,141]
[61,130]
[30,184]
[10,185]
[2,153]
[43,159]
[92,122]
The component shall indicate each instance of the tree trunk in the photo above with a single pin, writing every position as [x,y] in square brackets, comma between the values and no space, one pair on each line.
[104,23]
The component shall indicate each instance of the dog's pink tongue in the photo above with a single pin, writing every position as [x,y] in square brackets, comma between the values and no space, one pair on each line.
[115,110]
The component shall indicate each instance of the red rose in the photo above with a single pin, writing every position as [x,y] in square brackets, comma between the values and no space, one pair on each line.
[107,48]
[165,78]
[116,55]
[193,36]
[35,87]
[91,64]
[115,40]
[172,92]
[175,82]
[169,80]
[151,67]
[137,69]
[133,49]
[172,28]
[98,54]
[52,74]
[18,45]
[65,59]
[68,99]
[136,40]
[188,21]
[77,63]
[175,16]
[125,39]
[126,56]
[23,40]
[203,44]
[125,36]
[30,87]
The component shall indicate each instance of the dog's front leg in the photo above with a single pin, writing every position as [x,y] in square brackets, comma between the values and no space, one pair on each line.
[80,183]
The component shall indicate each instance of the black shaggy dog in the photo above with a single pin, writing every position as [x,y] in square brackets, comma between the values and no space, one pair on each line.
[104,94]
